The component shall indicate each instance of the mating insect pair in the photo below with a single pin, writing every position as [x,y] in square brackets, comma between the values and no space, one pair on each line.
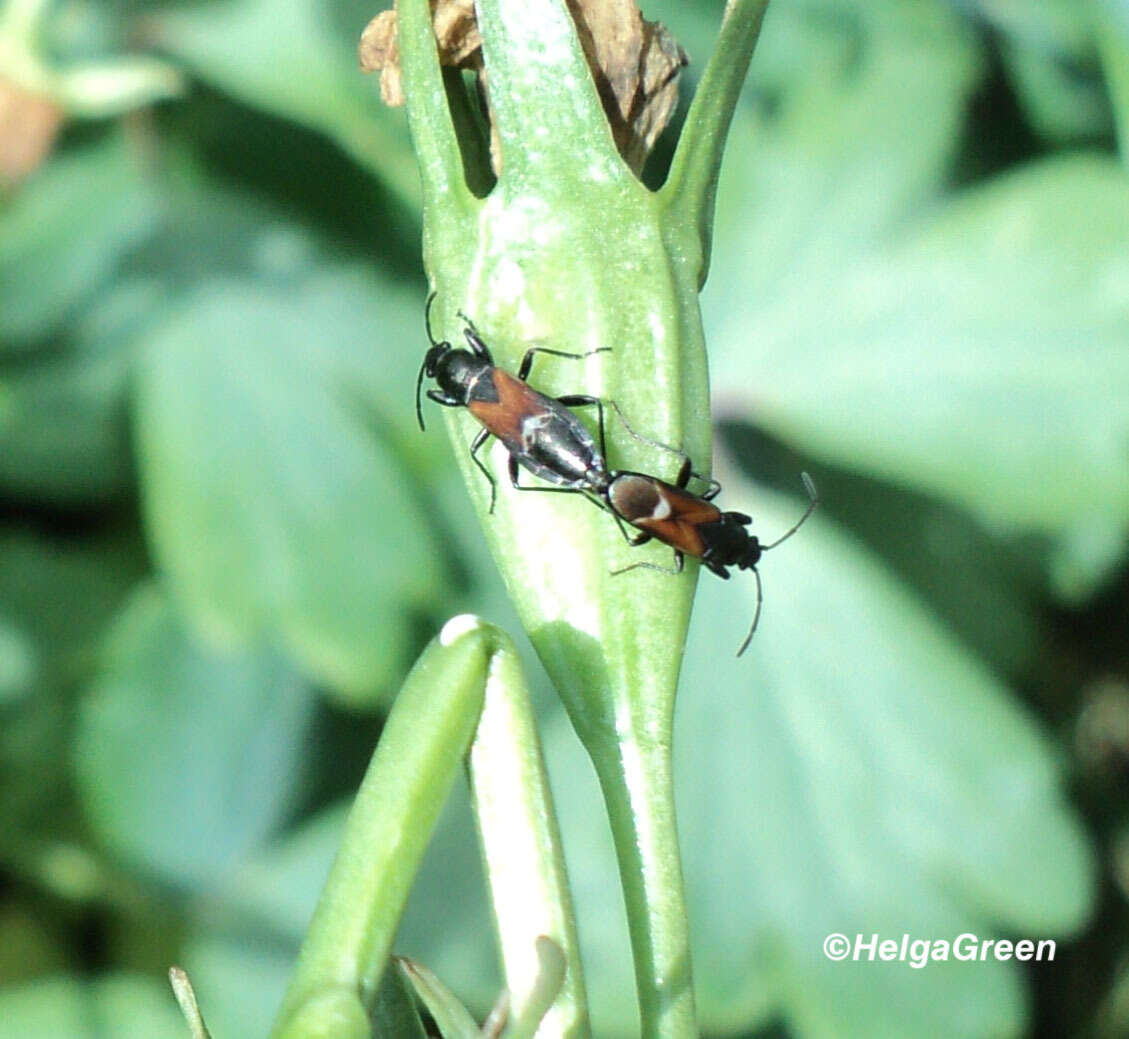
[543,435]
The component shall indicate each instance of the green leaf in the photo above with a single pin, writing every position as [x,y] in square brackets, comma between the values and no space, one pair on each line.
[1062,103]
[271,502]
[860,137]
[452,1019]
[60,592]
[65,233]
[121,1005]
[395,1012]
[983,359]
[1061,24]
[18,663]
[863,774]
[1049,50]
[63,435]
[187,758]
[297,59]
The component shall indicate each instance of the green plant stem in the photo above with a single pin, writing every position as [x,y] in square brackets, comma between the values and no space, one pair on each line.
[421,749]
[636,780]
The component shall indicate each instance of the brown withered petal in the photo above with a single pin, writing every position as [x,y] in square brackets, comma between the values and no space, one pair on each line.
[456,33]
[635,63]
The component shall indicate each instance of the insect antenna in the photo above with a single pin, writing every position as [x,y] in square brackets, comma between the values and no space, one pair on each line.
[813,495]
[427,318]
[427,357]
[756,613]
[813,502]
[419,386]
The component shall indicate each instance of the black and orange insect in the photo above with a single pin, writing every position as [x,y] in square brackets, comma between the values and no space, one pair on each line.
[539,432]
[691,524]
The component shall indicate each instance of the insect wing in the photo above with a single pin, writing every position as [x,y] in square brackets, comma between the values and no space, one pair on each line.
[503,406]
[664,511]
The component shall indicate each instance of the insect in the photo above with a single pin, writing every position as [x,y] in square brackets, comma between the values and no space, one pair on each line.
[691,525]
[539,432]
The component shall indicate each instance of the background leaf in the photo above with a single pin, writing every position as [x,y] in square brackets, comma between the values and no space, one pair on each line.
[65,1008]
[186,758]
[65,233]
[884,782]
[297,59]
[949,362]
[275,511]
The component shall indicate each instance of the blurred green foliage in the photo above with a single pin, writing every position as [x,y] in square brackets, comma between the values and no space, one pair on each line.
[222,541]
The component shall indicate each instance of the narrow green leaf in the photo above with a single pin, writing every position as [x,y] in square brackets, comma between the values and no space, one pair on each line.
[395,1013]
[691,187]
[524,861]
[452,1019]
[445,195]
[186,999]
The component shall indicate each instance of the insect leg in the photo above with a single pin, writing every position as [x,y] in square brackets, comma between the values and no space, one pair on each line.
[584,400]
[714,486]
[527,360]
[479,440]
[679,562]
[634,540]
[515,471]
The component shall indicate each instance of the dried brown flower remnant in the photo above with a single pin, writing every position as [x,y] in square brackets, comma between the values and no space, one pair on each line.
[28,126]
[635,64]
[456,33]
